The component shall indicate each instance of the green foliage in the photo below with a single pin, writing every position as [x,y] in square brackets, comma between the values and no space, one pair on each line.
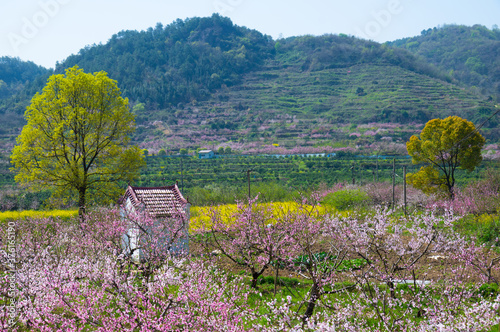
[76,139]
[181,62]
[138,108]
[282,281]
[489,290]
[326,261]
[229,193]
[444,145]
[212,194]
[488,229]
[346,199]
[470,54]
[273,192]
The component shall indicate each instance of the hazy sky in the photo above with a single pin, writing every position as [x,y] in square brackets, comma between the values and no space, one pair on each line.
[46,31]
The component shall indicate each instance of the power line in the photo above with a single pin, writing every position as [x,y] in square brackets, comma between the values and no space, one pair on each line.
[475,130]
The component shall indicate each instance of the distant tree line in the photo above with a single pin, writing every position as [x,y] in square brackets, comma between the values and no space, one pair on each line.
[16,81]
[469,54]
[339,51]
[178,63]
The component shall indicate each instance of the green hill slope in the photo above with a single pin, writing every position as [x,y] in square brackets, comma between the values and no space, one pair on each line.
[354,107]
[19,81]
[470,54]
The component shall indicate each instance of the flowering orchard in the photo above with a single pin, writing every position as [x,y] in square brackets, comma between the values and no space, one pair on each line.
[76,277]
[371,272]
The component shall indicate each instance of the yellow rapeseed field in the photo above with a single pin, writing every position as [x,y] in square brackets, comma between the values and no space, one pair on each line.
[201,216]
[15,215]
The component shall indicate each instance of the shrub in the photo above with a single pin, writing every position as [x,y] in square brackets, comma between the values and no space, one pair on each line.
[347,199]
[489,229]
[381,193]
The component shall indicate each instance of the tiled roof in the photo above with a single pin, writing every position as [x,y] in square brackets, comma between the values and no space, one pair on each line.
[157,201]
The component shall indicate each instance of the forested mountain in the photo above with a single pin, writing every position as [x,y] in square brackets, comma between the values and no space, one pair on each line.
[341,51]
[19,81]
[471,55]
[188,60]
[181,62]
[13,70]
[206,82]
[16,75]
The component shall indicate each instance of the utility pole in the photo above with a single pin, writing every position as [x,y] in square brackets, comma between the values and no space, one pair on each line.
[182,175]
[393,183]
[404,188]
[248,177]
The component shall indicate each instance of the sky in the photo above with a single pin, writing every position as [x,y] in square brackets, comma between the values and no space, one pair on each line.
[48,31]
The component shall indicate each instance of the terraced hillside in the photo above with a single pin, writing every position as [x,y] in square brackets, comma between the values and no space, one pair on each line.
[283,105]
[6,177]
[471,55]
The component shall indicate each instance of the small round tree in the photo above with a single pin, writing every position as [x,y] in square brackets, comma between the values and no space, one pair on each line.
[444,146]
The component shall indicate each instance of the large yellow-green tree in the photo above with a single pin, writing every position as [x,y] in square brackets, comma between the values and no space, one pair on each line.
[76,140]
[444,146]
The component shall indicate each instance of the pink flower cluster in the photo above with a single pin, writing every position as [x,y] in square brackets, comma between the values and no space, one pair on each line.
[477,198]
[392,251]
[79,277]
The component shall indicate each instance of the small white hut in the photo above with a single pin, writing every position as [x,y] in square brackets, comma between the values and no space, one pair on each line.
[164,205]
[206,154]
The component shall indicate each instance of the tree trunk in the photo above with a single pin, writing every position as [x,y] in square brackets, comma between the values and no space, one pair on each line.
[390,285]
[255,276]
[452,193]
[312,303]
[81,203]
[276,279]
